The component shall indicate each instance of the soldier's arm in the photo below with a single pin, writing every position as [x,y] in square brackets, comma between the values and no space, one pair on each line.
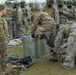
[19,15]
[1,30]
[5,29]
[35,23]
[75,13]
[56,14]
[59,38]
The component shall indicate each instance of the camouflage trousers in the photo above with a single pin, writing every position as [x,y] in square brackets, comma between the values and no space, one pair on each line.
[3,57]
[18,29]
[71,49]
[59,38]
[63,21]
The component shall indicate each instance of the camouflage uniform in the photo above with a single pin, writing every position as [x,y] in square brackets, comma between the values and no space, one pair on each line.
[28,11]
[8,18]
[63,12]
[17,22]
[42,23]
[71,48]
[63,33]
[24,13]
[3,38]
[71,9]
[51,9]
[75,10]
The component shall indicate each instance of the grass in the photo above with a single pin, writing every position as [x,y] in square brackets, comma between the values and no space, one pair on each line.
[17,50]
[42,66]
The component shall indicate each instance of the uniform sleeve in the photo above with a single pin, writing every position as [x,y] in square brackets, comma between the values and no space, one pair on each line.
[2,38]
[19,15]
[56,15]
[75,14]
[66,11]
[35,23]
[5,30]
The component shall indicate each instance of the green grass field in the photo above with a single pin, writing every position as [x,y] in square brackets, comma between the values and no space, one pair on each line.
[42,66]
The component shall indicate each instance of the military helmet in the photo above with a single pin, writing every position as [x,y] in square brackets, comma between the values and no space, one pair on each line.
[74,2]
[22,3]
[8,3]
[15,4]
[50,1]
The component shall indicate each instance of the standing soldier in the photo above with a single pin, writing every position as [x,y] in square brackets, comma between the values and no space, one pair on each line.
[8,17]
[24,13]
[63,11]
[3,38]
[28,11]
[17,21]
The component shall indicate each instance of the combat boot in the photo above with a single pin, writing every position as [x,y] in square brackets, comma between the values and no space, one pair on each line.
[68,64]
[54,57]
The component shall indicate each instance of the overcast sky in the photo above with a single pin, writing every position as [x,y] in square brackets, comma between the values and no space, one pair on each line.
[2,1]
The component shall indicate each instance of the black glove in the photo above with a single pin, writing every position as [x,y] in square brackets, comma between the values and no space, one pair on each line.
[42,36]
[60,12]
[57,26]
[33,36]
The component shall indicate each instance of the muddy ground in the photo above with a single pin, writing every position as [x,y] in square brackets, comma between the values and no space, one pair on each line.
[42,66]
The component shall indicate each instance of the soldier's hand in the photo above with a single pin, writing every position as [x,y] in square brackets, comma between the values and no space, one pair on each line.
[38,34]
[6,42]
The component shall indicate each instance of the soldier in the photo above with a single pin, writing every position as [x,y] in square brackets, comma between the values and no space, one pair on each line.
[3,38]
[51,9]
[43,23]
[63,32]
[8,17]
[71,48]
[17,21]
[63,12]
[28,11]
[71,9]
[70,51]
[24,13]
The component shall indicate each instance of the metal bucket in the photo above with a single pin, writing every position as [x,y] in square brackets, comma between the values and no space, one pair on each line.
[35,47]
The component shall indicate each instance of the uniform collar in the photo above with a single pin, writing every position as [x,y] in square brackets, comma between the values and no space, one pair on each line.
[0,14]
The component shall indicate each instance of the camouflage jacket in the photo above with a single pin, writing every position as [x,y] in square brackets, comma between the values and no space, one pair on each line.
[65,11]
[71,14]
[3,29]
[24,12]
[50,11]
[42,23]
